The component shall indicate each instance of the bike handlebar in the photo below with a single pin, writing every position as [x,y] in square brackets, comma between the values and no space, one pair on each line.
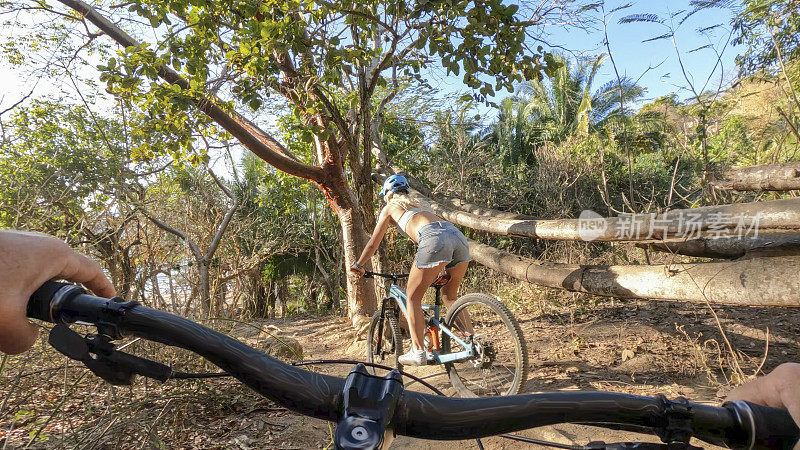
[739,424]
[393,276]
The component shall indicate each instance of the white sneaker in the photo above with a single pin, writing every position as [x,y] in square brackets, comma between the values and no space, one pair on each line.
[414,357]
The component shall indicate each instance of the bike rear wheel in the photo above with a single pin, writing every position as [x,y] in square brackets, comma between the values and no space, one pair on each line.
[390,346]
[501,364]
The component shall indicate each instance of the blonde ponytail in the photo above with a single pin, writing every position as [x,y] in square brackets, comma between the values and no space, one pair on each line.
[405,201]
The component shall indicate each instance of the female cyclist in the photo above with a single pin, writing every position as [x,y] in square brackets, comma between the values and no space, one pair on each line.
[441,246]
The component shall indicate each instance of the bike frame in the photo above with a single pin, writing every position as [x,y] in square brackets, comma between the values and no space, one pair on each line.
[399,297]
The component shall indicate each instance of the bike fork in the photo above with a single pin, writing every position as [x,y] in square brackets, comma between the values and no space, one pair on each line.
[384,311]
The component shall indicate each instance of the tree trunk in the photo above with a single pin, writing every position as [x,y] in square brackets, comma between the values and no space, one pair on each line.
[219,293]
[173,300]
[772,244]
[272,300]
[751,282]
[127,268]
[257,299]
[716,221]
[353,218]
[260,300]
[204,288]
[281,296]
[361,300]
[328,283]
[158,299]
[769,177]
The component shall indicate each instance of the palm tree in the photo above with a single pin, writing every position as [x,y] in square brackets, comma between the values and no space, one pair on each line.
[511,133]
[553,110]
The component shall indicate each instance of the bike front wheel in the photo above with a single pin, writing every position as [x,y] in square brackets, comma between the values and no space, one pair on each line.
[389,347]
[499,365]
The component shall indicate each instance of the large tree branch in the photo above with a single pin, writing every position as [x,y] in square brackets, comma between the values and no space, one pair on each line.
[296,82]
[730,248]
[788,122]
[264,137]
[262,144]
[220,184]
[752,282]
[769,177]
[212,248]
[383,64]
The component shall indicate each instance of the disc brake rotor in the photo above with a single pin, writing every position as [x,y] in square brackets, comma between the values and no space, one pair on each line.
[485,353]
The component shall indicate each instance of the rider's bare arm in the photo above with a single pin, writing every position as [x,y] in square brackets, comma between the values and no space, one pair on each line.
[27,260]
[384,220]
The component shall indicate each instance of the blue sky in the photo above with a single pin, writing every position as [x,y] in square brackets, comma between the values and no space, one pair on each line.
[654,64]
[633,57]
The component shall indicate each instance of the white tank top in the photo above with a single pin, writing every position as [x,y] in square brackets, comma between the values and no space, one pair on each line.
[406,217]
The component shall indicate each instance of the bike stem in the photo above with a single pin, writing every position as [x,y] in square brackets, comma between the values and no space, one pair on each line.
[368,406]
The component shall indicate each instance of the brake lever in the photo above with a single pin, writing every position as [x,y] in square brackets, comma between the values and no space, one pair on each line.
[100,356]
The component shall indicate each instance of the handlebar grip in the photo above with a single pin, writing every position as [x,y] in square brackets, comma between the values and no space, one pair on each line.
[39,304]
[769,427]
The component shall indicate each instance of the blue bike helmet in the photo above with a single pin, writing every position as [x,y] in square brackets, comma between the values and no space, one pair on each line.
[394,183]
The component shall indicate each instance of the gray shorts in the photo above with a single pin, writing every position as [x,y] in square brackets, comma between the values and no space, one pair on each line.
[441,242]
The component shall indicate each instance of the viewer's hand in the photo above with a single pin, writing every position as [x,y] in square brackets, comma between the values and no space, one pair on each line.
[27,260]
[779,389]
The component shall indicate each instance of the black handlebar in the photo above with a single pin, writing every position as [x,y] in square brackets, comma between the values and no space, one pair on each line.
[738,424]
[391,276]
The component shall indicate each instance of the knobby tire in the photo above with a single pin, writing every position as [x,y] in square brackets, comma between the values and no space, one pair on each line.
[505,328]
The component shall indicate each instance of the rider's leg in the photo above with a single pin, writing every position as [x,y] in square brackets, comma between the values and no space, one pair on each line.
[418,282]
[450,293]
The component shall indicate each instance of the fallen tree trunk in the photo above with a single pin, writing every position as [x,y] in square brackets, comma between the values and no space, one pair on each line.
[769,177]
[748,282]
[480,210]
[739,220]
[773,244]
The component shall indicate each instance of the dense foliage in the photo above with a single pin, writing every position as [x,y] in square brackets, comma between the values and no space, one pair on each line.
[150,184]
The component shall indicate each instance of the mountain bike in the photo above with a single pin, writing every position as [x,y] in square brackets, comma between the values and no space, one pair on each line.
[369,409]
[479,342]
